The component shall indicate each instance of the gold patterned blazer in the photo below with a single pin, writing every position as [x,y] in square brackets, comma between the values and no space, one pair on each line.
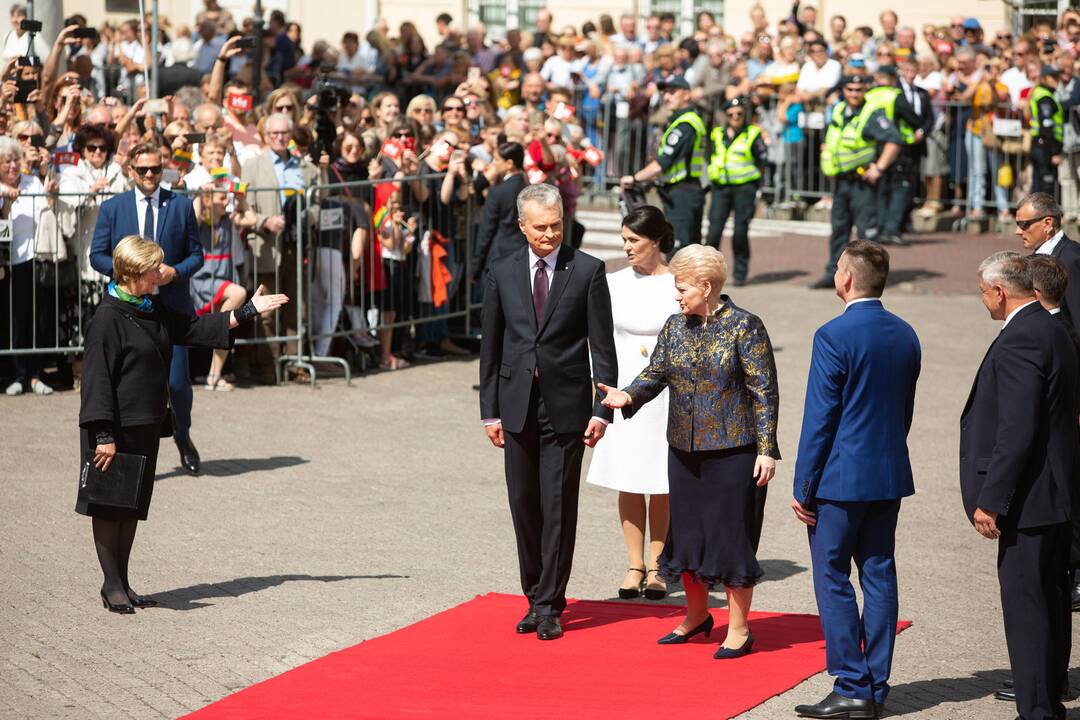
[722,380]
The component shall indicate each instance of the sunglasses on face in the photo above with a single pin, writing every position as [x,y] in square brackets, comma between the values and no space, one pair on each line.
[147,169]
[365,120]
[1025,224]
[95,148]
[285,108]
[25,137]
[453,108]
[403,135]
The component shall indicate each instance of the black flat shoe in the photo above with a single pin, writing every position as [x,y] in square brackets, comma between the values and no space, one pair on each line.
[653,593]
[674,638]
[549,628]
[189,456]
[631,593]
[838,706]
[529,623]
[730,653]
[124,609]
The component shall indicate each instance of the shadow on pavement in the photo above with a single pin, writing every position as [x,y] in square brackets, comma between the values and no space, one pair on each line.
[780,569]
[910,275]
[773,277]
[238,466]
[923,695]
[191,597]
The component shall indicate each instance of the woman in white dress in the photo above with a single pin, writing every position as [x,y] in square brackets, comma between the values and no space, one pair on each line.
[633,457]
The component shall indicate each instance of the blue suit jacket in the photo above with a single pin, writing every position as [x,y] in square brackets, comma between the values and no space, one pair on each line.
[859,401]
[177,234]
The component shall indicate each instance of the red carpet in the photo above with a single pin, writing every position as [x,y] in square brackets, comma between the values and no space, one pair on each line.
[467,662]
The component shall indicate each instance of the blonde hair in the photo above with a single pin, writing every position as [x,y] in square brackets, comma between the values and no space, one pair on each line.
[700,264]
[133,256]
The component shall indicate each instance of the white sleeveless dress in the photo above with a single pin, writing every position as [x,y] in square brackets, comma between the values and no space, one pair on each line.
[633,454]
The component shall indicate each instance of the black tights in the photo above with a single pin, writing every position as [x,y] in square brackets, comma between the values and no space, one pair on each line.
[113,540]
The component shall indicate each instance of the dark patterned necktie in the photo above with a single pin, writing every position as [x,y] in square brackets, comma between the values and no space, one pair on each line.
[540,290]
[148,223]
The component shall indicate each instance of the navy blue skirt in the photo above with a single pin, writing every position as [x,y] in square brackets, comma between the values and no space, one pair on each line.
[716,515]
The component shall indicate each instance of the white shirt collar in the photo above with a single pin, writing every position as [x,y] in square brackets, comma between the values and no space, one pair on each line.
[1048,247]
[549,259]
[1054,311]
[156,195]
[858,300]
[1011,315]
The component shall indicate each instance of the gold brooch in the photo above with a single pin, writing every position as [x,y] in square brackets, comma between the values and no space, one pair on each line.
[644,351]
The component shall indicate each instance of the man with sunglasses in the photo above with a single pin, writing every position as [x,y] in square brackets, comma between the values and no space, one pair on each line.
[169,220]
[679,164]
[738,153]
[1038,225]
[860,145]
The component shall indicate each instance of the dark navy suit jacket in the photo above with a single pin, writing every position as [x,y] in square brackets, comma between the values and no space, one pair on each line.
[177,234]
[860,397]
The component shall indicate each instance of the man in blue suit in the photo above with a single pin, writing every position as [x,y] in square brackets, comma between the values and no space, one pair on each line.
[851,472]
[169,220]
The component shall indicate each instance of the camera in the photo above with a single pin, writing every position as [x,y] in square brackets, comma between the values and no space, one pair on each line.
[33,26]
[331,93]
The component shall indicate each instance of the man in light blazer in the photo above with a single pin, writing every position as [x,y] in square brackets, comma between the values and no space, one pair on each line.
[275,260]
[547,313]
[169,220]
[851,472]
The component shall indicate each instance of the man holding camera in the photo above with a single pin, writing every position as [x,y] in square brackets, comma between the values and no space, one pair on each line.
[17,40]
[273,248]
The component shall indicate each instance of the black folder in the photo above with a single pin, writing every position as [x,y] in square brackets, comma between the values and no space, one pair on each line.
[117,487]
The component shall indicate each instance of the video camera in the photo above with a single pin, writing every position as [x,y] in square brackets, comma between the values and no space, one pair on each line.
[332,95]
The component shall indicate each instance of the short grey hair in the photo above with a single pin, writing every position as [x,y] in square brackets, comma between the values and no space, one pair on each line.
[10,147]
[1009,270]
[542,194]
[1043,205]
[698,264]
[282,117]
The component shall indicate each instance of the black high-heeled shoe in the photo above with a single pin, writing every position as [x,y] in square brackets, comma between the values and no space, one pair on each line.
[653,593]
[122,609]
[674,638]
[730,653]
[631,593]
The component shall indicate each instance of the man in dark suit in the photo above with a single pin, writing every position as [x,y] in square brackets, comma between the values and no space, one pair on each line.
[498,233]
[1017,471]
[851,473]
[1038,224]
[547,312]
[169,220]
[914,148]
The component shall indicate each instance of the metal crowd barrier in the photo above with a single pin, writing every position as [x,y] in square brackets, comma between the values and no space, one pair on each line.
[345,286]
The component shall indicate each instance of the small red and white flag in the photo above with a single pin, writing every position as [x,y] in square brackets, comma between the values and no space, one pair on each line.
[392,150]
[536,175]
[593,156]
[564,112]
[441,151]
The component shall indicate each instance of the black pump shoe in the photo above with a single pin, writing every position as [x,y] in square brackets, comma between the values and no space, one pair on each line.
[631,593]
[123,609]
[653,593]
[673,638]
[731,653]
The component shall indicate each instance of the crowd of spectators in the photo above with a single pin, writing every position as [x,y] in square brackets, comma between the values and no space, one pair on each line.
[438,127]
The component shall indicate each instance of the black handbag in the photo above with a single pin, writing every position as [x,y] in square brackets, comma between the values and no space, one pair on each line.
[118,486]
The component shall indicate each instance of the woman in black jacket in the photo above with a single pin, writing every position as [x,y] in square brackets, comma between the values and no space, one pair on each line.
[125,393]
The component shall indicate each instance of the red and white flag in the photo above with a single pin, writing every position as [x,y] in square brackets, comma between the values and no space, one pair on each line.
[536,175]
[593,156]
[564,112]
[441,152]
[392,150]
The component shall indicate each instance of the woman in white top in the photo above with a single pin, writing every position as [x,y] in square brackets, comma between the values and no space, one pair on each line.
[632,458]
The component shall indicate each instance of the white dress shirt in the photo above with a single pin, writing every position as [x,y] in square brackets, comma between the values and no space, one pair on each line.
[1047,248]
[1011,315]
[140,210]
[858,300]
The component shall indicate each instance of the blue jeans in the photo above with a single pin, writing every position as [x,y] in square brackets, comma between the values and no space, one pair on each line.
[978,159]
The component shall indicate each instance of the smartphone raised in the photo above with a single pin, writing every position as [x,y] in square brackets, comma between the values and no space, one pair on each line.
[28,61]
[160,106]
[246,43]
[37,141]
[194,138]
[23,88]
[85,33]
[474,75]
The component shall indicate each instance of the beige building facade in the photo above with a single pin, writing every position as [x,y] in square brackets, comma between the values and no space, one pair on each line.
[328,19]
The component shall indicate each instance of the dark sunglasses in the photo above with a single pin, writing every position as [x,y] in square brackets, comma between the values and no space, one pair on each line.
[1025,224]
[147,170]
[403,135]
[90,147]
[25,137]
[285,108]
[453,108]
[365,120]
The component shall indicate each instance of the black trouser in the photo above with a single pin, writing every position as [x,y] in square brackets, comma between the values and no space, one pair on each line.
[1044,177]
[854,203]
[684,205]
[895,190]
[1034,602]
[543,473]
[741,199]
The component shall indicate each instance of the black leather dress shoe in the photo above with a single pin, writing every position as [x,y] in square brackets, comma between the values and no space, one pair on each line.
[837,706]
[529,623]
[549,628]
[1076,597]
[189,456]
[1009,695]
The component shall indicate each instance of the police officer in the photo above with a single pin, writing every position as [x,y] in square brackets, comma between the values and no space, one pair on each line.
[850,154]
[738,152]
[1047,131]
[679,164]
[895,189]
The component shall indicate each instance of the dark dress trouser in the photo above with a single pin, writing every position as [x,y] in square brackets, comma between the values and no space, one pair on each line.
[854,203]
[740,200]
[858,650]
[684,206]
[1034,602]
[543,475]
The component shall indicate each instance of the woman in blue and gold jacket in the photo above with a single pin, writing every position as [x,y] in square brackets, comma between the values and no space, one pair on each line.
[717,361]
